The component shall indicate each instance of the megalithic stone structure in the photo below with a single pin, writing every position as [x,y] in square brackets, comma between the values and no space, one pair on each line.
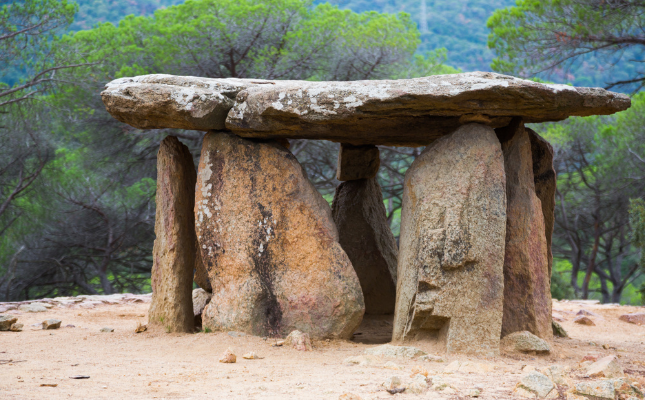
[270,245]
[270,249]
[450,273]
[174,247]
[527,283]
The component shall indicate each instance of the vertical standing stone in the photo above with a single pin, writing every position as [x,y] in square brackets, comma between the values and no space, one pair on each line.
[269,244]
[545,183]
[174,247]
[527,286]
[450,281]
[357,162]
[365,235]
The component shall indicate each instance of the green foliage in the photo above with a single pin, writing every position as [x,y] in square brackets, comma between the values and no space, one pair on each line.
[560,286]
[637,219]
[585,42]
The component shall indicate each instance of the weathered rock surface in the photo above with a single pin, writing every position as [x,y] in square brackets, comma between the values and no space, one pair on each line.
[357,162]
[364,233]
[167,101]
[228,357]
[527,285]
[6,321]
[174,247]
[545,182]
[634,318]
[450,280]
[407,111]
[525,341]
[51,324]
[299,341]
[201,274]
[606,367]
[33,307]
[395,112]
[388,350]
[537,383]
[582,320]
[270,245]
[16,327]
[200,299]
[604,389]
[558,330]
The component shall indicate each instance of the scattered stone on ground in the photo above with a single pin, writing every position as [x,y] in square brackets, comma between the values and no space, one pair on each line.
[525,341]
[418,385]
[364,360]
[603,389]
[16,327]
[431,358]
[140,328]
[419,370]
[299,341]
[536,383]
[51,324]
[236,334]
[228,357]
[583,320]
[587,313]
[388,350]
[557,374]
[558,330]
[33,307]
[392,382]
[251,355]
[439,384]
[474,392]
[606,367]
[392,365]
[6,321]
[634,318]
[107,329]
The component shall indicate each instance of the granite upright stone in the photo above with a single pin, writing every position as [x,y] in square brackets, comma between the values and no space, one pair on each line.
[450,281]
[174,247]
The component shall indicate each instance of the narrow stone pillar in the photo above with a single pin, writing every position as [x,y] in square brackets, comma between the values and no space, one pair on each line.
[545,184]
[450,280]
[269,244]
[365,235]
[527,286]
[357,162]
[174,247]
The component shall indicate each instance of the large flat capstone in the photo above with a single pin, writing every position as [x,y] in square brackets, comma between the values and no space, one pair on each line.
[411,112]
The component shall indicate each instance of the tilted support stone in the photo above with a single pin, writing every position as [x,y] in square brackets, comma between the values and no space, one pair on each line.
[357,162]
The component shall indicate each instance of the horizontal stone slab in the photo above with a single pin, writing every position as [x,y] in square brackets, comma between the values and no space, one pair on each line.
[410,112]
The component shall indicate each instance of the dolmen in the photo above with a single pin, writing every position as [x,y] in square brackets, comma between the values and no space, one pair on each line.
[474,258]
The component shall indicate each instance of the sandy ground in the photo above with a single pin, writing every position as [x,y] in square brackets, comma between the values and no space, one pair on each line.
[126,365]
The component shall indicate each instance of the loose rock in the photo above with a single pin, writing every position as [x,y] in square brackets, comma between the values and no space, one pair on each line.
[582,320]
[387,350]
[251,356]
[392,365]
[419,370]
[299,341]
[558,330]
[557,374]
[600,389]
[51,324]
[606,367]
[635,318]
[200,299]
[451,255]
[228,357]
[33,307]
[361,361]
[418,385]
[525,341]
[536,383]
[107,330]
[6,321]
[392,383]
[16,327]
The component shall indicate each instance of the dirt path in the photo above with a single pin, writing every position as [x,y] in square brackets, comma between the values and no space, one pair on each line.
[125,365]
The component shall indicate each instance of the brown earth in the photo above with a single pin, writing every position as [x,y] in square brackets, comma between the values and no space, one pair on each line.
[125,365]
